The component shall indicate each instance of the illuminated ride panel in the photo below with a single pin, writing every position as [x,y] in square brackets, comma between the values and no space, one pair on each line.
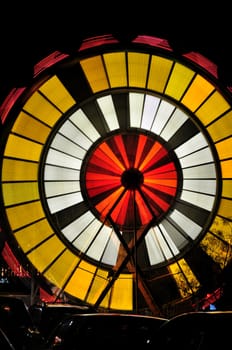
[115,174]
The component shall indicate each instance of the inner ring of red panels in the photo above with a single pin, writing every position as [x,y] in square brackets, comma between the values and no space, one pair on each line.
[131,179]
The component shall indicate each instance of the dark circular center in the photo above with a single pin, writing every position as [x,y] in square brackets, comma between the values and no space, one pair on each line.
[132,178]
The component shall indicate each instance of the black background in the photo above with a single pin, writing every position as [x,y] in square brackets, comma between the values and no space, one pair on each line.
[30,31]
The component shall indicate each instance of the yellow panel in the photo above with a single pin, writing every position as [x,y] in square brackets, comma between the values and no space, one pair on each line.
[17,170]
[18,192]
[31,128]
[159,73]
[221,128]
[227,188]
[62,268]
[222,228]
[181,272]
[55,91]
[224,148]
[178,82]
[30,236]
[137,69]
[95,73]
[18,147]
[215,248]
[116,68]
[122,293]
[80,281]
[98,285]
[25,214]
[225,208]
[198,91]
[226,167]
[106,301]
[42,109]
[212,108]
[44,255]
[84,265]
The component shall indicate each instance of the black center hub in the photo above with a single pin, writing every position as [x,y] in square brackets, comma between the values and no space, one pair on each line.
[132,179]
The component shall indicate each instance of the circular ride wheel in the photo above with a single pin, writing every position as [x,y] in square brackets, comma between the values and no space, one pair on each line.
[115,174]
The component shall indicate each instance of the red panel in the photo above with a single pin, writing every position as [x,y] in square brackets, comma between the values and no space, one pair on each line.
[137,165]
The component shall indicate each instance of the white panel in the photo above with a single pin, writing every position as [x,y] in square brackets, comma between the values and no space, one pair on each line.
[195,143]
[72,132]
[176,121]
[166,243]
[150,107]
[61,187]
[154,252]
[204,186]
[136,107]
[206,171]
[196,158]
[91,242]
[72,231]
[162,246]
[57,173]
[177,237]
[61,159]
[58,203]
[198,199]
[91,237]
[105,246]
[107,107]
[111,253]
[68,146]
[164,112]
[186,224]
[83,123]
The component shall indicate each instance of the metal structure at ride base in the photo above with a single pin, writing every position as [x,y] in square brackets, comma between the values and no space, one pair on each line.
[116,184]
